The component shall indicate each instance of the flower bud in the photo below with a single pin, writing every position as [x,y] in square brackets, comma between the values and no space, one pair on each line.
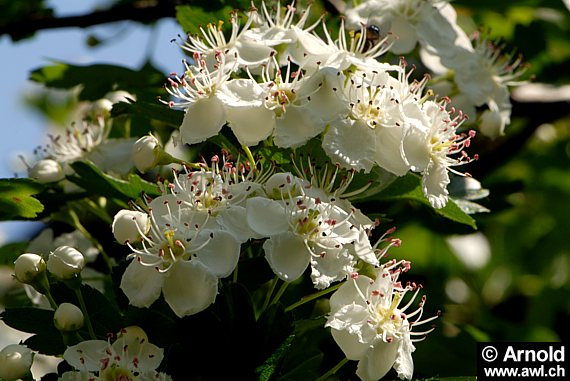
[68,317]
[46,171]
[65,262]
[146,153]
[15,362]
[28,267]
[128,225]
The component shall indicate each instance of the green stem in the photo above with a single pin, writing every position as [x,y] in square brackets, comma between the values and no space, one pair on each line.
[333,370]
[249,156]
[280,292]
[51,300]
[308,298]
[269,293]
[85,314]
[77,225]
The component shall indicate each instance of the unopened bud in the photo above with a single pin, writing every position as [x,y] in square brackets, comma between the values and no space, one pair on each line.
[68,317]
[146,153]
[15,362]
[65,262]
[29,267]
[128,225]
[46,171]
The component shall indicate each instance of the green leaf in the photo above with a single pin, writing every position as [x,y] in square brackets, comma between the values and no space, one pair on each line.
[16,199]
[88,176]
[203,12]
[30,320]
[47,339]
[11,251]
[99,79]
[409,187]
[268,368]
[156,111]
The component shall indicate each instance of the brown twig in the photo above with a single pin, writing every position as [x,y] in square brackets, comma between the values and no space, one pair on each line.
[141,11]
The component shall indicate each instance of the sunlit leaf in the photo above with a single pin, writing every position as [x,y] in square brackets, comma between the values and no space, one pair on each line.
[98,79]
[409,188]
[16,199]
[88,176]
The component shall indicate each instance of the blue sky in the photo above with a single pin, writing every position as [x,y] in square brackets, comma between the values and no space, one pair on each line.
[24,129]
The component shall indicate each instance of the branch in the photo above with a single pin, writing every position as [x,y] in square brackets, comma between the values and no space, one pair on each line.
[141,11]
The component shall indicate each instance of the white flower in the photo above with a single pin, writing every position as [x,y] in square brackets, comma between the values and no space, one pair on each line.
[210,99]
[65,262]
[28,267]
[294,98]
[240,50]
[68,317]
[130,225]
[15,362]
[130,357]
[198,89]
[366,135]
[46,171]
[280,31]
[370,326]
[433,147]
[355,49]
[85,141]
[181,258]
[303,230]
[219,191]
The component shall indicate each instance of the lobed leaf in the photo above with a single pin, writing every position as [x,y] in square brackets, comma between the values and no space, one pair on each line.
[17,201]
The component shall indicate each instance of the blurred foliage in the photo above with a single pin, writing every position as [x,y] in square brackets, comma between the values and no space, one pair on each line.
[520,293]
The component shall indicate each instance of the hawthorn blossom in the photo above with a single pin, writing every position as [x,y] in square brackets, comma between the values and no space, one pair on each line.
[130,357]
[304,230]
[240,49]
[219,192]
[83,141]
[370,324]
[279,30]
[180,258]
[199,89]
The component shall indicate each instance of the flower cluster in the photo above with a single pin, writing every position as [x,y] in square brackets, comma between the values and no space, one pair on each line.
[325,116]
[368,113]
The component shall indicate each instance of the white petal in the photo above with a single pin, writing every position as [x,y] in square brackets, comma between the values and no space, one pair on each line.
[406,36]
[388,152]
[266,217]
[415,147]
[377,361]
[251,124]
[114,156]
[221,253]
[296,126]
[232,220]
[404,364]
[332,266]
[141,284]
[189,288]
[363,249]
[348,293]
[251,53]
[250,121]
[87,355]
[349,344]
[434,185]
[203,119]
[287,255]
[351,144]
